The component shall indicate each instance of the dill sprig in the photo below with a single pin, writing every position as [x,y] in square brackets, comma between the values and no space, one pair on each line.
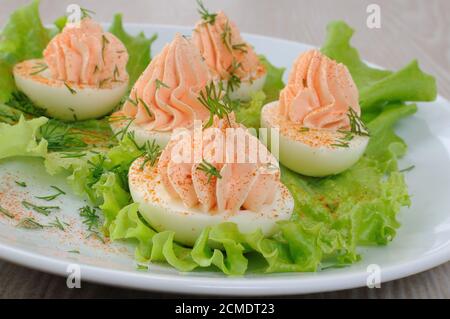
[86,13]
[240,47]
[39,67]
[152,151]
[123,131]
[234,81]
[357,126]
[54,196]
[303,129]
[5,212]
[209,169]
[105,42]
[206,16]
[134,102]
[226,37]
[44,210]
[71,90]
[407,169]
[90,217]
[57,224]
[60,137]
[116,73]
[29,223]
[160,84]
[217,105]
[146,107]
[22,103]
[21,184]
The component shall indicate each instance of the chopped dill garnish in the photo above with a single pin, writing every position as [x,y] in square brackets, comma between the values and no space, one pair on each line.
[29,223]
[209,169]
[124,130]
[60,137]
[102,83]
[73,251]
[233,82]
[226,37]
[357,126]
[146,107]
[160,84]
[97,235]
[340,143]
[304,129]
[134,102]
[23,103]
[6,212]
[57,224]
[90,217]
[72,91]
[86,13]
[151,152]
[212,100]
[21,184]
[407,169]
[44,210]
[116,73]
[40,68]
[54,196]
[105,42]
[240,47]
[206,16]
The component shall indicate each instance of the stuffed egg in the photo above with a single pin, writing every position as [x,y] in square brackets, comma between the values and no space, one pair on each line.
[197,184]
[232,61]
[317,117]
[81,76]
[166,95]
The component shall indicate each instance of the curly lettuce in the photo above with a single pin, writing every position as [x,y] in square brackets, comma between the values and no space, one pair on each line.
[332,215]
[23,37]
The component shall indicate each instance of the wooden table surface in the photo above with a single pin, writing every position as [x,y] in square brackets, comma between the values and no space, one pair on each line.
[410,29]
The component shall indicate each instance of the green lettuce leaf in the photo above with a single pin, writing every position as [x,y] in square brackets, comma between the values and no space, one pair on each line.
[23,37]
[138,48]
[376,86]
[274,80]
[22,139]
[249,113]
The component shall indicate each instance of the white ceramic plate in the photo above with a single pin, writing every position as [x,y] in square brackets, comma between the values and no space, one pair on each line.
[422,242]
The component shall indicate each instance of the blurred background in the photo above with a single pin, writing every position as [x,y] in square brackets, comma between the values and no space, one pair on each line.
[409,28]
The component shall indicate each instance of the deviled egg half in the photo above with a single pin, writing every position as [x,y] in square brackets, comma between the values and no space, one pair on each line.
[82,75]
[186,194]
[318,118]
[166,95]
[230,59]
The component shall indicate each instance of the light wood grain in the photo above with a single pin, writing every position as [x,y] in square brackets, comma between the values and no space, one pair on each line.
[411,29]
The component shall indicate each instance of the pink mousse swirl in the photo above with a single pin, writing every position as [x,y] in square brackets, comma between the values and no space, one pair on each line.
[84,54]
[319,93]
[165,96]
[242,185]
[221,45]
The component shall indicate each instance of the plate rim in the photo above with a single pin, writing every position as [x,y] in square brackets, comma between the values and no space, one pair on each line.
[286,284]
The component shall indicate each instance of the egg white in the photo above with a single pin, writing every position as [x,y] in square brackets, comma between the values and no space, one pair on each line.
[86,102]
[316,161]
[142,133]
[247,88]
[163,212]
